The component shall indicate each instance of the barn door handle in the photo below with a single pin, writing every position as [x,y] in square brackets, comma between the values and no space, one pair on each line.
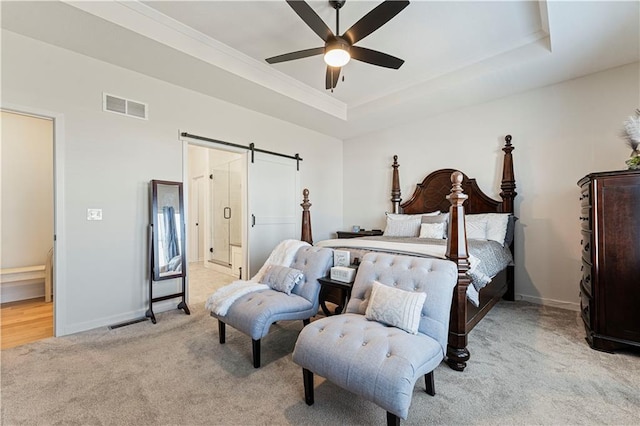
[227,213]
[253,220]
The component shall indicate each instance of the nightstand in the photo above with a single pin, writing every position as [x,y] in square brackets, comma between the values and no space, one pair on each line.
[326,284]
[361,233]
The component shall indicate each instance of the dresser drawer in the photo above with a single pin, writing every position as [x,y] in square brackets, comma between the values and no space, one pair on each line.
[585,218]
[586,286]
[585,199]
[585,242]
[585,309]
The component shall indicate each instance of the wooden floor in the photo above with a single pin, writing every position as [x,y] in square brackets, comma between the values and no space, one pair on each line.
[25,321]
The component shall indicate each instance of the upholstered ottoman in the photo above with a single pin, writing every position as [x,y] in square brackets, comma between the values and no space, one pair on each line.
[379,362]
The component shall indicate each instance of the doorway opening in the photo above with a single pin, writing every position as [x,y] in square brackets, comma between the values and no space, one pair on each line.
[26,270]
[215,215]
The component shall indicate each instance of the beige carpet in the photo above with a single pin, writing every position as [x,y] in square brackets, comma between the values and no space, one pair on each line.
[529,365]
[204,280]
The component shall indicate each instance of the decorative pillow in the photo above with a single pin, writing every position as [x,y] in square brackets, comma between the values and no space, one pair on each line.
[441,219]
[435,218]
[496,224]
[281,278]
[476,229]
[395,307]
[432,230]
[508,236]
[404,225]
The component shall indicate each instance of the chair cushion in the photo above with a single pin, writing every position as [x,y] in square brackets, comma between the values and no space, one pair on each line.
[377,362]
[254,313]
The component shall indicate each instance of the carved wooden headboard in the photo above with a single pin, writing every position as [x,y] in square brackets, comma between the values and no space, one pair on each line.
[430,194]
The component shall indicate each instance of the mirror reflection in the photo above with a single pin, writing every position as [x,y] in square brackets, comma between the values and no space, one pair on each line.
[168,230]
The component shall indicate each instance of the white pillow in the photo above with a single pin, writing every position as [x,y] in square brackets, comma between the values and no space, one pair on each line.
[281,278]
[476,229]
[496,224]
[432,230]
[404,225]
[441,218]
[395,307]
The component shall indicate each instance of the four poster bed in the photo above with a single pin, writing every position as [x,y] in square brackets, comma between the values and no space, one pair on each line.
[446,190]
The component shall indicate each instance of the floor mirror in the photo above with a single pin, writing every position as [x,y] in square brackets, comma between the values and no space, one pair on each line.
[167,258]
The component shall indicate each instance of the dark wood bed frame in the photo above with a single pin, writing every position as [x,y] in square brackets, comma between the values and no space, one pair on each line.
[449,189]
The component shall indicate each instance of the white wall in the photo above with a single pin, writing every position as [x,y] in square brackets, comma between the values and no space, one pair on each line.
[110,159]
[560,133]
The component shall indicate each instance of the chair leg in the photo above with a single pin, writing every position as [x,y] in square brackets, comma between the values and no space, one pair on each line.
[307,378]
[306,322]
[429,384]
[392,419]
[256,353]
[221,331]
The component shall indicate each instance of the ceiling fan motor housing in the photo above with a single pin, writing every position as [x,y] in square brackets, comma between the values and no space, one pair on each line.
[337,43]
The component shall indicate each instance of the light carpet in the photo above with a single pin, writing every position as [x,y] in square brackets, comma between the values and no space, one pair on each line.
[529,365]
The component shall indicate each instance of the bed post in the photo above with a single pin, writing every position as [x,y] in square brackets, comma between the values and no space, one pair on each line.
[457,251]
[305,234]
[395,186]
[508,185]
[508,193]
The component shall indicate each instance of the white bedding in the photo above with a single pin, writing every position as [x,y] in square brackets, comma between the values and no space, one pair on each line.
[412,249]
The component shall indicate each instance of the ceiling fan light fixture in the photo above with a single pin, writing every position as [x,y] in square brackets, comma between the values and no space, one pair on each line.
[336,53]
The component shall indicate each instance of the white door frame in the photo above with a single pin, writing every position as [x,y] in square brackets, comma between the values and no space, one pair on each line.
[59,243]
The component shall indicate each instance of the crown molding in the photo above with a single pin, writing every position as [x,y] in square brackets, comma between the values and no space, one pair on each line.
[144,20]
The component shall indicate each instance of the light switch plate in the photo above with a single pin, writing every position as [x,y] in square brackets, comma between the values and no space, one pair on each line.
[94,214]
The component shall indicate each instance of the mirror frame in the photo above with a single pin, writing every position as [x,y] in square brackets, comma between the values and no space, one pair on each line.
[155,227]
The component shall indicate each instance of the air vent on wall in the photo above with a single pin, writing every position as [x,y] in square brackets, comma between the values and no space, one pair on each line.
[123,106]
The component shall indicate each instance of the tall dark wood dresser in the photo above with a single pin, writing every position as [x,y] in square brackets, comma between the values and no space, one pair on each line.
[610,284]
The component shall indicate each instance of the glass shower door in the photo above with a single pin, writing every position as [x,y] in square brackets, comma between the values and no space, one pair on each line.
[221,214]
[226,210]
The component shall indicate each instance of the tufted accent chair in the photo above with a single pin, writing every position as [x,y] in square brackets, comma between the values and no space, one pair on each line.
[381,363]
[254,313]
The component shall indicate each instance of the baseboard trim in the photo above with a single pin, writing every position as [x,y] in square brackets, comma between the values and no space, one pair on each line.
[165,305]
[571,306]
[21,290]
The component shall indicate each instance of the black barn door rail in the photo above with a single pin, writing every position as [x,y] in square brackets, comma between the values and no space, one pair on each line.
[251,147]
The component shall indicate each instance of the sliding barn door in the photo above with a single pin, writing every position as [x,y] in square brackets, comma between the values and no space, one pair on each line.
[274,210]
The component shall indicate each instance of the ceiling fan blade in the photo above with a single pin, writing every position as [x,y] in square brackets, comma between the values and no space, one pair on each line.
[373,20]
[331,78]
[374,57]
[296,55]
[311,18]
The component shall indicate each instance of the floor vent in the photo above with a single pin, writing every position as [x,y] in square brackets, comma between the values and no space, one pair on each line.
[124,106]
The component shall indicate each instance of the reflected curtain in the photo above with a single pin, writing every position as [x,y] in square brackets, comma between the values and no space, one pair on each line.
[171,237]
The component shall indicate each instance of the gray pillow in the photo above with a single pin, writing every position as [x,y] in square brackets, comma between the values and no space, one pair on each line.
[511,224]
[282,278]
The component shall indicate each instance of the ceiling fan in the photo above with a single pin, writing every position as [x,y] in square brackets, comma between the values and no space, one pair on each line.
[338,50]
